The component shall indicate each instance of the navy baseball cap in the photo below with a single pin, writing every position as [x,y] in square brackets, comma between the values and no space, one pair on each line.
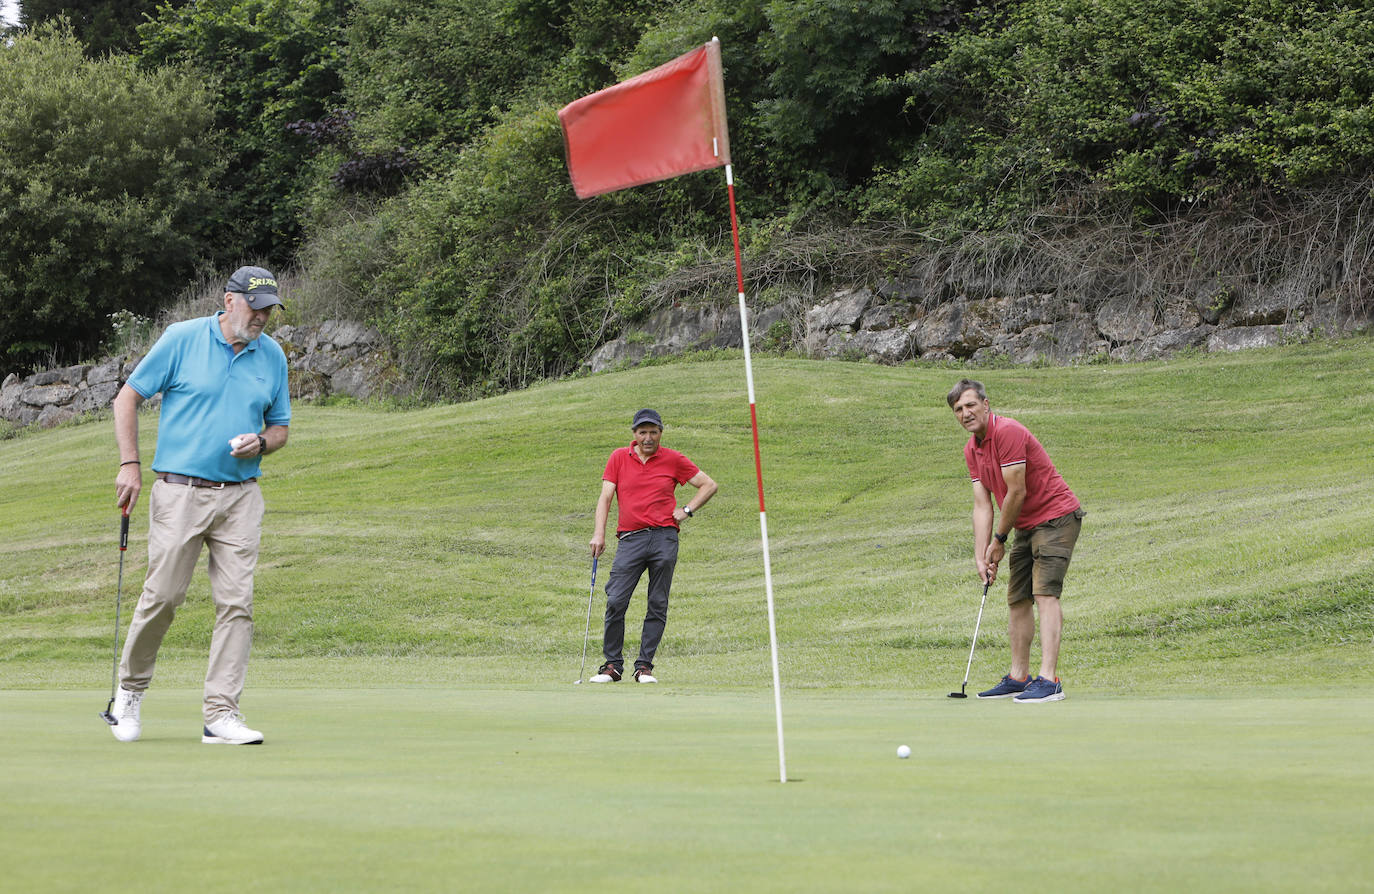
[257,285]
[647,417]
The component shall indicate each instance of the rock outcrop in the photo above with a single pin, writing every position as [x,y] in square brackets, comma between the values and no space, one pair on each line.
[892,323]
[334,358]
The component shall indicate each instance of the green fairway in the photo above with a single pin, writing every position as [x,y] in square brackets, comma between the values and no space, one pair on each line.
[422,595]
[567,788]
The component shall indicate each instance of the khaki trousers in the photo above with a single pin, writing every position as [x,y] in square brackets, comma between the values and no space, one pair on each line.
[182,519]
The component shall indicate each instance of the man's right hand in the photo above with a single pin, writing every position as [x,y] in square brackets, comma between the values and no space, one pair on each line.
[598,545]
[128,484]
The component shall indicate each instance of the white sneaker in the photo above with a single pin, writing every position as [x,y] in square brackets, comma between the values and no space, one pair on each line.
[126,705]
[642,675]
[229,729]
[606,674]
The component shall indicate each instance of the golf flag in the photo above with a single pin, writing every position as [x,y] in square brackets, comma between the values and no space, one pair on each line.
[660,124]
[663,123]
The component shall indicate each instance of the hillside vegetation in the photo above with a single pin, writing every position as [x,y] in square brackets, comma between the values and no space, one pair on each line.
[1222,545]
[406,158]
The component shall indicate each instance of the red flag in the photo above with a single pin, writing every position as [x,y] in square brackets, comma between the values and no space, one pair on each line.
[660,124]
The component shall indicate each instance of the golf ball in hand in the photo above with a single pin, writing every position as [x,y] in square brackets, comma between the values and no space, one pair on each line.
[903,752]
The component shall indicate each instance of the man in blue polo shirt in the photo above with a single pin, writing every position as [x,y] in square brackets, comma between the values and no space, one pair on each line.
[225,404]
[642,479]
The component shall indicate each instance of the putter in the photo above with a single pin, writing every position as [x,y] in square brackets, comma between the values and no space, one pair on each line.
[591,594]
[961,693]
[105,715]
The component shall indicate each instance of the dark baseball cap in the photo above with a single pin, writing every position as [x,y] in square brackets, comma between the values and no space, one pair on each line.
[647,417]
[257,285]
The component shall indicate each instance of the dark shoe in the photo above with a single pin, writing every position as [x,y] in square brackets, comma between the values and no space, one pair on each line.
[1042,690]
[644,675]
[1007,687]
[608,673]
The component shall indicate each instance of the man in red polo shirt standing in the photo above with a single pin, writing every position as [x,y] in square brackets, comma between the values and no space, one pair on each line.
[1005,461]
[643,478]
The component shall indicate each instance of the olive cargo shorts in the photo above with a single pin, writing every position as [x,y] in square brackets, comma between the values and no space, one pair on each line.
[1040,556]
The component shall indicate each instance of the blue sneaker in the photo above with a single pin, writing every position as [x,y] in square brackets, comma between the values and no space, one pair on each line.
[1007,687]
[1042,690]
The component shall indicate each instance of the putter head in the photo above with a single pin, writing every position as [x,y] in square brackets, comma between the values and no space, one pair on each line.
[958,695]
[577,682]
[109,718]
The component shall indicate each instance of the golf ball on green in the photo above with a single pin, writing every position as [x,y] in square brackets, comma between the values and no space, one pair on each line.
[903,752]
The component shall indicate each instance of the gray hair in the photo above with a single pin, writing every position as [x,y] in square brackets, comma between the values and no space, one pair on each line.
[965,385]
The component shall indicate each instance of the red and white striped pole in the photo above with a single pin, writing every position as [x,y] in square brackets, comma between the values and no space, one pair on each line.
[758,471]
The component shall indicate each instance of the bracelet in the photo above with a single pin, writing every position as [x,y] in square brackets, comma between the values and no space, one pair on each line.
[130,462]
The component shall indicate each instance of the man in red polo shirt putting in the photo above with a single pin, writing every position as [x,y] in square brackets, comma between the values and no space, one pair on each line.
[1007,462]
[643,477]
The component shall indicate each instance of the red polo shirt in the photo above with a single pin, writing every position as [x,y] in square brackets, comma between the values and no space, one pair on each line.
[1009,443]
[644,490]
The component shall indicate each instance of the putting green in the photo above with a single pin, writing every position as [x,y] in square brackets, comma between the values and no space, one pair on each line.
[672,788]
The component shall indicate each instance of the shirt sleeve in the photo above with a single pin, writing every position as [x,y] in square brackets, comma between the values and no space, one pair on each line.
[153,371]
[612,473]
[279,412]
[1012,441]
[968,461]
[686,470]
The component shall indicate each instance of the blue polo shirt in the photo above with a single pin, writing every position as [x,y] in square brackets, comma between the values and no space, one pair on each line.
[209,395]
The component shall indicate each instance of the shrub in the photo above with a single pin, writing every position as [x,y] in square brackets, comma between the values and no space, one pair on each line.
[270,62]
[1160,102]
[431,75]
[106,176]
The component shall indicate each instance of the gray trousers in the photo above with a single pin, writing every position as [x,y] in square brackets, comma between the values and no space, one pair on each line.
[654,550]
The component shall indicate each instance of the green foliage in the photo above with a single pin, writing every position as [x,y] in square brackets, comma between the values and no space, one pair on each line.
[106,176]
[830,110]
[492,261]
[492,274]
[1159,102]
[432,75]
[495,275]
[810,87]
[104,26]
[271,62]
[128,332]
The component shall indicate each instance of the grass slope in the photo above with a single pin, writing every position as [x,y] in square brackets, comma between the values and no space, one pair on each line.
[1227,499]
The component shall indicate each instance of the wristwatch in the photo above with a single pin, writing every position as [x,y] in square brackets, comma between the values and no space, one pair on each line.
[1001,538]
[688,510]
[262,445]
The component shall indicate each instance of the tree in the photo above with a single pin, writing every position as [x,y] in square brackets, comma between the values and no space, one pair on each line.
[104,26]
[270,63]
[106,176]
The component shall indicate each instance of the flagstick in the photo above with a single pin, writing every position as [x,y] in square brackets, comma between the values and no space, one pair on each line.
[758,470]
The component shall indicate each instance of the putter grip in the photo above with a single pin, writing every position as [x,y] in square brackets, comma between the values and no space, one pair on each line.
[124,530]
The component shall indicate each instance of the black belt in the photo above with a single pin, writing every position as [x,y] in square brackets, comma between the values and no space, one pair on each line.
[173,478]
[621,535]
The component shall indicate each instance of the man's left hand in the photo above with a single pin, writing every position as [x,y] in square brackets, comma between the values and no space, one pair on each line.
[248,446]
